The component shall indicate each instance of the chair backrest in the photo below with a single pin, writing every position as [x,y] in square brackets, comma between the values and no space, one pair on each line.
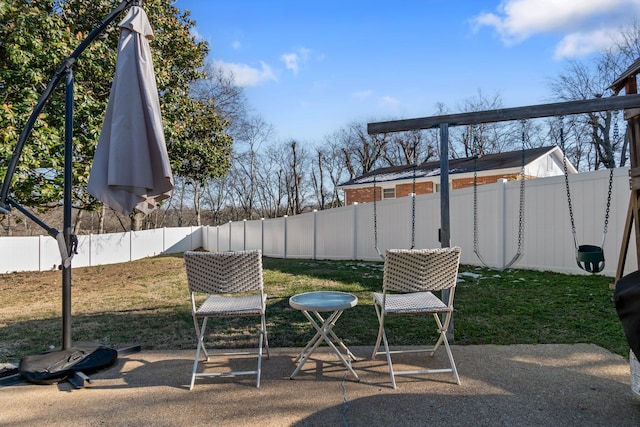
[224,272]
[420,270]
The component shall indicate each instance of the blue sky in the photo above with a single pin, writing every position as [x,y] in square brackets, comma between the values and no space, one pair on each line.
[311,68]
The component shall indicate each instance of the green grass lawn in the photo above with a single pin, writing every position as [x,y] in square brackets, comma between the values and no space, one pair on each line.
[146,302]
[509,307]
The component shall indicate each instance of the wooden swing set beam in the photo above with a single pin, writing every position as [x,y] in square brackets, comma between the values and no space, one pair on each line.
[630,103]
[509,114]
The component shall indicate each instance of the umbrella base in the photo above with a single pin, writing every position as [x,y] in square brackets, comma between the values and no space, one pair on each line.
[70,365]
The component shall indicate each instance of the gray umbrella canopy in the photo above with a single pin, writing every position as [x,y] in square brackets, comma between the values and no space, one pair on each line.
[131,168]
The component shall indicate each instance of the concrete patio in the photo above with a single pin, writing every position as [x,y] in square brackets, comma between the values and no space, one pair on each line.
[516,385]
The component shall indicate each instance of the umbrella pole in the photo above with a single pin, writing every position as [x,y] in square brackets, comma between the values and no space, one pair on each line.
[67,241]
[67,230]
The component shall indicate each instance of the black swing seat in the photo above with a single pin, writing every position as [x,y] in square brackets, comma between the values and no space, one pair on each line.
[627,301]
[590,258]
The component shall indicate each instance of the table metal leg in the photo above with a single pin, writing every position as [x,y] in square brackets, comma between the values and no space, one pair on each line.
[334,336]
[322,334]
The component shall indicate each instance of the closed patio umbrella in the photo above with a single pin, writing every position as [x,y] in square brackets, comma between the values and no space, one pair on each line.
[130,171]
[131,168]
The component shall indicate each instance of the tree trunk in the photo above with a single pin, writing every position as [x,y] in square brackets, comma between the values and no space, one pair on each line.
[101,215]
[77,228]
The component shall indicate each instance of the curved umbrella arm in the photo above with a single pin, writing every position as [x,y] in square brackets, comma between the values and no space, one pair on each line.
[5,204]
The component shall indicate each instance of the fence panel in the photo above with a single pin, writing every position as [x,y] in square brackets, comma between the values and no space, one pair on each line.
[348,232]
[334,234]
[301,236]
[16,248]
[274,237]
[253,235]
[180,239]
[237,238]
[147,243]
[110,248]
[224,237]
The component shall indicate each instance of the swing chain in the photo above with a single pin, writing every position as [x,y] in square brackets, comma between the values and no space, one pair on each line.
[413,198]
[566,184]
[475,190]
[375,215]
[475,153]
[522,178]
[606,215]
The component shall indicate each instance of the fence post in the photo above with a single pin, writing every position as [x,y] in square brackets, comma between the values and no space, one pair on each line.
[262,235]
[164,239]
[284,235]
[315,233]
[40,239]
[355,231]
[501,222]
[244,234]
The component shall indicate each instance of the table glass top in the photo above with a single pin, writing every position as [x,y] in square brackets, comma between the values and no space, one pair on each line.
[323,301]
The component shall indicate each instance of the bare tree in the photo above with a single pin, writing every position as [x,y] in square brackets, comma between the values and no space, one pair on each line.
[317,179]
[486,138]
[599,130]
[229,100]
[360,151]
[411,147]
[336,170]
[294,179]
[272,183]
[254,132]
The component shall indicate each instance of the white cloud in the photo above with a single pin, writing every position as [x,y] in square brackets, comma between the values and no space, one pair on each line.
[390,102]
[245,75]
[583,25]
[236,45]
[363,94]
[581,44]
[293,60]
[196,35]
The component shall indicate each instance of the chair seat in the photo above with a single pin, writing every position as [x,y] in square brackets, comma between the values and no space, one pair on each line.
[415,302]
[216,305]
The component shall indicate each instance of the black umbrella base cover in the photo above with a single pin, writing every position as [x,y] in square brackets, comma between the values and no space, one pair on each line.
[59,365]
[627,300]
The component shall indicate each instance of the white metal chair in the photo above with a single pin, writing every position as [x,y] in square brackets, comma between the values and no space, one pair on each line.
[410,276]
[220,274]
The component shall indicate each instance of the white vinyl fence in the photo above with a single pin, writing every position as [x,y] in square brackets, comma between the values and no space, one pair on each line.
[41,253]
[348,232]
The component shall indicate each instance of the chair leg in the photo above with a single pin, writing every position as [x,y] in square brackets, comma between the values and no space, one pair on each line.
[262,343]
[386,347]
[263,339]
[382,336]
[200,330]
[259,370]
[199,347]
[453,364]
[441,329]
[266,338]
[380,331]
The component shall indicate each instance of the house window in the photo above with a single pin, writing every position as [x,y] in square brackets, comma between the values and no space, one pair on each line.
[388,193]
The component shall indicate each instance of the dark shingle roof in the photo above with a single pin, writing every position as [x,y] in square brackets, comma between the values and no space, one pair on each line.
[511,159]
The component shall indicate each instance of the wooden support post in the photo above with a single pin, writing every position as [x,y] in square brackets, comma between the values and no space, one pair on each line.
[632,116]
